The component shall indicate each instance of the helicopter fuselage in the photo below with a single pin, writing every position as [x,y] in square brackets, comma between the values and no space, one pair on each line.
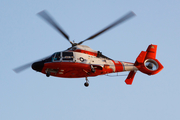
[80,61]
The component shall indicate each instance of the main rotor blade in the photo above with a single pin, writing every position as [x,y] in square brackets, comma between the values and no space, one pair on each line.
[22,68]
[49,19]
[25,66]
[124,18]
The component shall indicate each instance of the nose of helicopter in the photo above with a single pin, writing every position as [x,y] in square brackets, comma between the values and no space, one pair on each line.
[38,66]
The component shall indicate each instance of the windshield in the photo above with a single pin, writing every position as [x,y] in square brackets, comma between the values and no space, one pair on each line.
[59,56]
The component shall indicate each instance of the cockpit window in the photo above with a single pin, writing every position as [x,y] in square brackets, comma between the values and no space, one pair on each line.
[59,56]
[56,56]
[67,56]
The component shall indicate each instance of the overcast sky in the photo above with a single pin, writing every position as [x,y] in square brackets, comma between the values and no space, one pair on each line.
[25,37]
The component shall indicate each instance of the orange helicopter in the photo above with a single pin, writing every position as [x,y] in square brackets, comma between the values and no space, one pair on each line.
[81,61]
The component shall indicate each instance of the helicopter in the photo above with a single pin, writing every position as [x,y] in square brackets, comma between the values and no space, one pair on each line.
[80,61]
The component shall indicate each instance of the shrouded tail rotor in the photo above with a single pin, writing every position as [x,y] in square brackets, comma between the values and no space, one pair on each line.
[147,63]
[151,64]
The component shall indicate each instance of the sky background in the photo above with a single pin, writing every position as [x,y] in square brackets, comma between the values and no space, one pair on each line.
[25,37]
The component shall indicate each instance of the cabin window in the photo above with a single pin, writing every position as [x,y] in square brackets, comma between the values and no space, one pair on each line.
[67,56]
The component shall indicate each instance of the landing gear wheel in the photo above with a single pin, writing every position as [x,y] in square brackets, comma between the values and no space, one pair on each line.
[86,84]
[48,74]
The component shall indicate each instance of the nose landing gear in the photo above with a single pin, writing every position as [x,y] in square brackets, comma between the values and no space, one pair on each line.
[48,73]
[86,84]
